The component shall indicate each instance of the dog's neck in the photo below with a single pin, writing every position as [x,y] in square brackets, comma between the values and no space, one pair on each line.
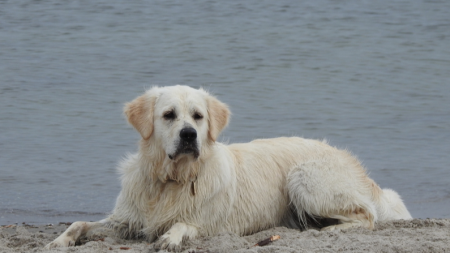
[182,171]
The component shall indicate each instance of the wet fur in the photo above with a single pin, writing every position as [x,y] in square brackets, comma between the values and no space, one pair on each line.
[239,188]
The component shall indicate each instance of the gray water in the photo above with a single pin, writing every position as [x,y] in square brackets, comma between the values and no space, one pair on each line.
[369,76]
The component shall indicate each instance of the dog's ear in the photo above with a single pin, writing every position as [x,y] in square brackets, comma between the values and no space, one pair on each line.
[139,113]
[218,117]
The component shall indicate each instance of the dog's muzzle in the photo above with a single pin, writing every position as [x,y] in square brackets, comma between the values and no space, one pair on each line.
[187,144]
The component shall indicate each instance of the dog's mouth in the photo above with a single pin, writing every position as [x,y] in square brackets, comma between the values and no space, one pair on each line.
[186,148]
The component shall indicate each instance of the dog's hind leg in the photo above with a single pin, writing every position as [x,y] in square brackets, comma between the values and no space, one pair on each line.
[73,233]
[357,218]
[336,189]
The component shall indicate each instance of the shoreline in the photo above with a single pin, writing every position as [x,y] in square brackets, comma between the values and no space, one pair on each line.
[417,235]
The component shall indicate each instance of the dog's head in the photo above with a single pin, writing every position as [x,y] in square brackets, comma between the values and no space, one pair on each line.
[179,119]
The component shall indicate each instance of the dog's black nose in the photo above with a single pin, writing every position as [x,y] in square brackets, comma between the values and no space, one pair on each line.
[188,134]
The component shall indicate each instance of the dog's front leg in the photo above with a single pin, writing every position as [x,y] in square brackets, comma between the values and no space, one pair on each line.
[172,239]
[73,233]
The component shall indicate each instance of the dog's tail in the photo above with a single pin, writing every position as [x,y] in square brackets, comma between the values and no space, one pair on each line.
[391,207]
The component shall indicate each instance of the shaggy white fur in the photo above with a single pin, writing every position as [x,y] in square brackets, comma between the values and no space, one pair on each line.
[182,183]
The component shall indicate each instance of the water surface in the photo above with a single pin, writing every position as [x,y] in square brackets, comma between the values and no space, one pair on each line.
[369,76]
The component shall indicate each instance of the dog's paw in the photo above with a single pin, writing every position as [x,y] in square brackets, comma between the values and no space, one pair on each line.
[342,226]
[329,228]
[170,242]
[62,241]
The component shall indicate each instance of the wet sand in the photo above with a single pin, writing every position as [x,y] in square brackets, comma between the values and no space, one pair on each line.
[429,235]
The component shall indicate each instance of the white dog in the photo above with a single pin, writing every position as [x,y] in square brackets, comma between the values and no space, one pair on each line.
[182,183]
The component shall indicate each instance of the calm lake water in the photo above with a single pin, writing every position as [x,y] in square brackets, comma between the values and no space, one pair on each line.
[369,76]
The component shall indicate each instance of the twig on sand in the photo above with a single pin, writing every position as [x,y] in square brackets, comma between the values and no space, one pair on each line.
[267,241]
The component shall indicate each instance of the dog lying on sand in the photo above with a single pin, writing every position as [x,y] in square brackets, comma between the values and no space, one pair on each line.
[182,183]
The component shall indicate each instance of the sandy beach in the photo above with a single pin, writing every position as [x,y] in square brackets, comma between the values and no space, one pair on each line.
[429,235]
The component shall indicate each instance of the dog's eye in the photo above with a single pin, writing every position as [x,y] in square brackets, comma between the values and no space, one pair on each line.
[169,115]
[197,116]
